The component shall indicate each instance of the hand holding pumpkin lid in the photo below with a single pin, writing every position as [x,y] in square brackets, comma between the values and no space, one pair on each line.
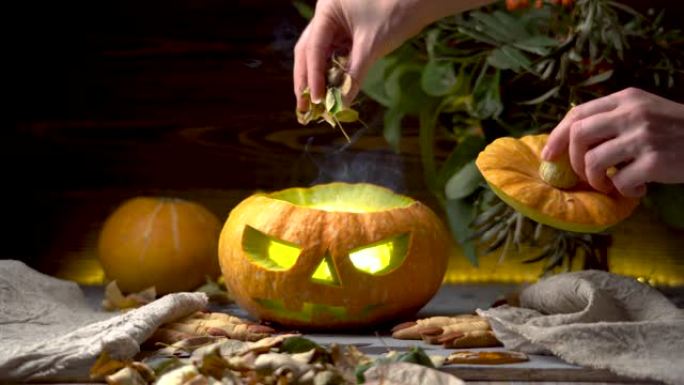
[546,192]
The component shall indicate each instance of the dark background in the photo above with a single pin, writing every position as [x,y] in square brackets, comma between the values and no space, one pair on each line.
[113,99]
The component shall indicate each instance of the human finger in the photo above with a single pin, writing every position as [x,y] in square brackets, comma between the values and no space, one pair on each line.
[598,160]
[631,180]
[360,59]
[559,139]
[299,74]
[587,133]
[317,50]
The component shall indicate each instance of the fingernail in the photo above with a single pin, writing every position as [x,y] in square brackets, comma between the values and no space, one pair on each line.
[316,100]
[545,153]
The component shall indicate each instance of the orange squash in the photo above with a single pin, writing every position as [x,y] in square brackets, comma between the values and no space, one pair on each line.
[333,256]
[162,242]
[545,192]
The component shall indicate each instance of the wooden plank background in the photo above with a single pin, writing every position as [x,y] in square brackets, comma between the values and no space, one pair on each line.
[111,99]
[184,98]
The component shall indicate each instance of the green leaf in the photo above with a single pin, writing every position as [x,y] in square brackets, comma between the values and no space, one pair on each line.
[438,78]
[416,356]
[403,86]
[460,213]
[330,100]
[464,182]
[466,150]
[298,345]
[543,97]
[374,84]
[499,26]
[392,129]
[598,78]
[538,44]
[514,28]
[360,371]
[347,115]
[304,9]
[508,57]
[486,95]
[431,41]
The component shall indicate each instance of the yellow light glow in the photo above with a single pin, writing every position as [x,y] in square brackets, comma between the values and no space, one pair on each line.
[322,272]
[373,259]
[284,255]
[348,207]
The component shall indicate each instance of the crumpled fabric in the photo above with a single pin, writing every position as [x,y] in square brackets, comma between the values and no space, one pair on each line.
[48,332]
[599,320]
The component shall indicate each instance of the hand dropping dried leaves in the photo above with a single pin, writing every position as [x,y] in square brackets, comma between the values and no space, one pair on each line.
[333,109]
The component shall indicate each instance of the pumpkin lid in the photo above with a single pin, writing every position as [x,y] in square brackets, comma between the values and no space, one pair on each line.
[511,168]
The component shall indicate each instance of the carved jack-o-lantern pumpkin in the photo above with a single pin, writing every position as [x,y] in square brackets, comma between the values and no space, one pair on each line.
[333,255]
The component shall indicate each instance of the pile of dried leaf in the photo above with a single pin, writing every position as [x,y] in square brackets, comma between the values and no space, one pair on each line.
[280,360]
[216,348]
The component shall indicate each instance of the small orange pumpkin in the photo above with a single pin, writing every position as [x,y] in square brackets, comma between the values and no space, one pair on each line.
[167,243]
[514,170]
[333,256]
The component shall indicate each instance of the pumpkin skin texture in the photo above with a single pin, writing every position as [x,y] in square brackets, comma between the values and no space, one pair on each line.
[329,225]
[511,168]
[162,242]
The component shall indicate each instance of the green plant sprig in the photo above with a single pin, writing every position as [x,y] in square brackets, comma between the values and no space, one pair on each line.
[488,73]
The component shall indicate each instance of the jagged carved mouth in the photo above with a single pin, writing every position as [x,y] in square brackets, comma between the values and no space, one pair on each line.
[310,310]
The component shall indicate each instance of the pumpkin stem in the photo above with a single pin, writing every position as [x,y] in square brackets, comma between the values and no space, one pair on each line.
[558,173]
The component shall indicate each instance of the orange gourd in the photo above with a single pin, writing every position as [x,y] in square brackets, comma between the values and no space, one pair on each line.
[162,242]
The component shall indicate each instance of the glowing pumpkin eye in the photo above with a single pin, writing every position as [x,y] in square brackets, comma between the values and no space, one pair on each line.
[381,257]
[268,252]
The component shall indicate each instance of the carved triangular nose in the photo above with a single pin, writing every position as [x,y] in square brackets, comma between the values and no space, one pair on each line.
[325,272]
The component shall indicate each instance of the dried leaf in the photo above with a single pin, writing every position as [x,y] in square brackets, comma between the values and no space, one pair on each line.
[408,373]
[328,377]
[347,115]
[217,293]
[210,362]
[105,365]
[347,359]
[486,358]
[115,300]
[347,84]
[187,346]
[161,364]
[266,344]
[179,376]
[279,363]
[126,376]
[219,324]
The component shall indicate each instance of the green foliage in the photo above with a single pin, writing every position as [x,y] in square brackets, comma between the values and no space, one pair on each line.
[668,202]
[488,73]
